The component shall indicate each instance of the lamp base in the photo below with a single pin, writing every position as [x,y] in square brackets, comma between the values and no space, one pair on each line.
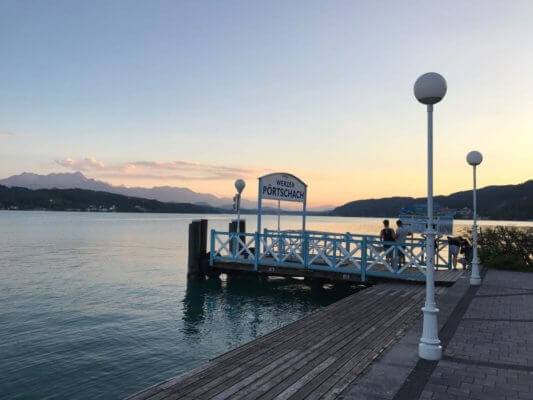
[475,281]
[430,351]
[429,347]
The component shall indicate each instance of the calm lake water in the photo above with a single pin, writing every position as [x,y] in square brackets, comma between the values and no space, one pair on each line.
[96,305]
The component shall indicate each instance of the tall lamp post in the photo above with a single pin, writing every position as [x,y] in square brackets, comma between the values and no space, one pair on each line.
[239,185]
[474,158]
[429,89]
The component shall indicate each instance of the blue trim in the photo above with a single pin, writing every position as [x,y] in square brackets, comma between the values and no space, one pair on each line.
[363,259]
[300,241]
[212,252]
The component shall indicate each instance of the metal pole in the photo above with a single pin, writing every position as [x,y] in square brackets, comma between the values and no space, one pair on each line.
[238,213]
[305,210]
[429,347]
[259,206]
[279,214]
[475,279]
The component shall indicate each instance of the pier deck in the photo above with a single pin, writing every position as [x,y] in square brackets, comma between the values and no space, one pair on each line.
[443,277]
[325,255]
[318,356]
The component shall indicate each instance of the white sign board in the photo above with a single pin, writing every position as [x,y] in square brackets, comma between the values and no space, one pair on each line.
[284,187]
[418,224]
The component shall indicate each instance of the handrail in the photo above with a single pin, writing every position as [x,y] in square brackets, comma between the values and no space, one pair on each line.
[341,252]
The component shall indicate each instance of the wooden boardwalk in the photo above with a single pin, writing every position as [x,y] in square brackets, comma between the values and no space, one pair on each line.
[317,357]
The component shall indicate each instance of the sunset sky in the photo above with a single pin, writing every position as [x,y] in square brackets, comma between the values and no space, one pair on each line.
[198,93]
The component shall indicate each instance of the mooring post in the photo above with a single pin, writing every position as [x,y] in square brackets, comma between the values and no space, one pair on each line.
[194,265]
[234,248]
[232,227]
[203,237]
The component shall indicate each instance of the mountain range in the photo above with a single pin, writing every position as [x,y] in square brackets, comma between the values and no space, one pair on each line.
[76,180]
[512,202]
[505,202]
[19,198]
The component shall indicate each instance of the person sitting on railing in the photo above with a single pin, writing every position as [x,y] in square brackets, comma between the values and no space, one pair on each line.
[387,235]
[401,237]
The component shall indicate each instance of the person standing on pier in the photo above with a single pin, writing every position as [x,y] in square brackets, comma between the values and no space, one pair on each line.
[387,235]
[401,237]
[455,244]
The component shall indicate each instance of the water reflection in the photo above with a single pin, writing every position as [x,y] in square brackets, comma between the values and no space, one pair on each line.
[194,302]
[244,302]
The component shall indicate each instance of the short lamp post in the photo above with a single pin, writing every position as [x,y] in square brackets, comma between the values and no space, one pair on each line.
[474,158]
[429,89]
[239,185]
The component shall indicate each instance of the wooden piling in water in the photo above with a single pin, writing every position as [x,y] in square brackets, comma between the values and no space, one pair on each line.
[197,249]
[233,228]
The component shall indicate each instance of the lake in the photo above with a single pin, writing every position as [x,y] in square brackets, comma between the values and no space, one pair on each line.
[97,305]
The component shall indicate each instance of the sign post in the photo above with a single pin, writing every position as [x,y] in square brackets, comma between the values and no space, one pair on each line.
[414,219]
[282,187]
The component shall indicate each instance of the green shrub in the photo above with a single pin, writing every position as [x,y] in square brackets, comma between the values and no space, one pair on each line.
[506,247]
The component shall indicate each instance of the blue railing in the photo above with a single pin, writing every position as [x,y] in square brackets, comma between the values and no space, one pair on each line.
[348,253]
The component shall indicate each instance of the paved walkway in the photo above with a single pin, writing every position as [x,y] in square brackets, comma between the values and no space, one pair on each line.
[487,336]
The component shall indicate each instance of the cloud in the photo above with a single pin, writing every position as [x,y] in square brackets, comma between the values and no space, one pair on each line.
[158,170]
[85,164]
[9,133]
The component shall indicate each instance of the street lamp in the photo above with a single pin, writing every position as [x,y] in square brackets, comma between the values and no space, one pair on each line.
[474,158]
[239,185]
[429,89]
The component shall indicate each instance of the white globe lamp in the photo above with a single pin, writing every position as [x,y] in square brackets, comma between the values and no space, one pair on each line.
[239,185]
[474,158]
[429,89]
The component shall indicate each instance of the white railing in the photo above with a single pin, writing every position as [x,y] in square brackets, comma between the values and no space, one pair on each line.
[346,253]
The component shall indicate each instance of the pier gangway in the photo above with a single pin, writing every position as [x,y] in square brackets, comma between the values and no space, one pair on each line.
[351,255]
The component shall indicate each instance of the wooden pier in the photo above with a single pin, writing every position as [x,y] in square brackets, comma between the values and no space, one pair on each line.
[317,357]
[443,277]
[325,256]
[322,355]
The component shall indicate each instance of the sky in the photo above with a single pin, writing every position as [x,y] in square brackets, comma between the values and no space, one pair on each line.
[199,93]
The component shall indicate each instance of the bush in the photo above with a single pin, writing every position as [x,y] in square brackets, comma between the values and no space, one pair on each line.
[506,247]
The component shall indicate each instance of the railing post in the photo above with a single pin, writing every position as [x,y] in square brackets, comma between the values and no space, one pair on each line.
[449,263]
[257,250]
[347,238]
[306,249]
[363,259]
[334,241]
[395,259]
[212,252]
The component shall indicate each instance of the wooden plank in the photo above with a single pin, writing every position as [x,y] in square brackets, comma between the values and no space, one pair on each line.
[268,349]
[321,353]
[352,365]
[343,354]
[213,368]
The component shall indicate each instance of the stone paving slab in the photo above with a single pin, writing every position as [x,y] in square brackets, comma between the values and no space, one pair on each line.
[487,337]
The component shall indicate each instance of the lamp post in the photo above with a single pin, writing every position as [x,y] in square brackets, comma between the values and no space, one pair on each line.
[239,185]
[474,158]
[429,89]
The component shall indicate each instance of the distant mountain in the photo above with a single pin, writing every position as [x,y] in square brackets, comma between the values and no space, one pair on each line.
[76,180]
[508,202]
[18,198]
